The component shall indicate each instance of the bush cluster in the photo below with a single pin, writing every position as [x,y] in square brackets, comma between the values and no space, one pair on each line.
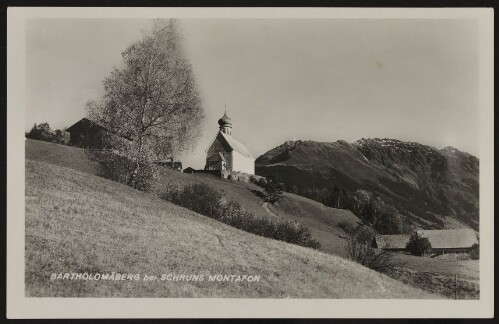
[123,169]
[475,252]
[273,190]
[43,132]
[383,217]
[360,249]
[418,245]
[261,182]
[204,200]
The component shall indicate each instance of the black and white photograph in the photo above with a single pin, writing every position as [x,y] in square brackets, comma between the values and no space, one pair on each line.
[171,156]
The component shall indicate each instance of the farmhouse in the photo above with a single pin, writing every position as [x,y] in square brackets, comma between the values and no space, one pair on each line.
[170,163]
[226,153]
[442,241]
[86,133]
[450,241]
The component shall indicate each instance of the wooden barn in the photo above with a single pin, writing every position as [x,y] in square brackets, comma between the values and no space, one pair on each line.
[89,134]
[86,133]
[450,241]
[442,241]
[170,163]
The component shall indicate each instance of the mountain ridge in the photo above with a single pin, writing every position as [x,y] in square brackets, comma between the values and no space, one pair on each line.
[425,184]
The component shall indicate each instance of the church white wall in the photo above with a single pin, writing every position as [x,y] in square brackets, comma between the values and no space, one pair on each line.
[242,163]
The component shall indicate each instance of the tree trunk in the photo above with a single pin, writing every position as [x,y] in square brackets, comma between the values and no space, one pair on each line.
[133,179]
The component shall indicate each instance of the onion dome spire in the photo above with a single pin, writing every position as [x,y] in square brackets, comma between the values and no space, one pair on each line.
[225,123]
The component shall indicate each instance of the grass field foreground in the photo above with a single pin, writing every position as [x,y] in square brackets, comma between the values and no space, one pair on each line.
[76,222]
[431,274]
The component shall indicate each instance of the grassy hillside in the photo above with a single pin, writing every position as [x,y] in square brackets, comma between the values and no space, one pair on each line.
[436,275]
[321,220]
[61,155]
[76,222]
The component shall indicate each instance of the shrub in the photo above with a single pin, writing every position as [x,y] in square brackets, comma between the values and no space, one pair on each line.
[360,250]
[388,223]
[273,190]
[475,252]
[262,182]
[122,169]
[205,200]
[61,137]
[418,245]
[40,132]
[43,132]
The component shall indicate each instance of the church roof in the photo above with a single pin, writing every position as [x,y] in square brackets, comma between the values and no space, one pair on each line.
[236,146]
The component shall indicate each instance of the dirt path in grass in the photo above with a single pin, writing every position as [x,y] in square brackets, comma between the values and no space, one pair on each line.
[265,206]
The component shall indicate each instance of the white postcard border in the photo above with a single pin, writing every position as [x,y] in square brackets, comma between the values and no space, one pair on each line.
[19,306]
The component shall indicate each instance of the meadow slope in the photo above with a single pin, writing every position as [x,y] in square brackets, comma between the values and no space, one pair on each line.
[320,219]
[76,222]
[433,275]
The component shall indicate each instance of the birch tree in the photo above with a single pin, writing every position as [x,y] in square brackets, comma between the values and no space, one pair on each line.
[152,99]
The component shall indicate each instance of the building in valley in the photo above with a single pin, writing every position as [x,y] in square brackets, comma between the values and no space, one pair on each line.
[442,241]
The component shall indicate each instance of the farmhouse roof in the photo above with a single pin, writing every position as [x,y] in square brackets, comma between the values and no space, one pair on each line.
[236,146]
[451,238]
[439,239]
[87,123]
[84,122]
[392,241]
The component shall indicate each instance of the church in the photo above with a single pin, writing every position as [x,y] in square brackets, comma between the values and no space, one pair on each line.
[226,153]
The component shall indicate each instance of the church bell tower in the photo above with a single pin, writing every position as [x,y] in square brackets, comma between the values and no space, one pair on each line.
[225,124]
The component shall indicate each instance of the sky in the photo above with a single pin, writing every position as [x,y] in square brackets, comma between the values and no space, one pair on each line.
[281,79]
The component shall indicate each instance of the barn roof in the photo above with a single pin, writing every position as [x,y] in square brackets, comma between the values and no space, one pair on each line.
[439,239]
[392,241]
[236,146]
[87,123]
[84,122]
[451,238]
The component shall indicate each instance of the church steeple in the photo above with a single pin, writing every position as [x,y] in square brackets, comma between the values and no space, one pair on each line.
[225,123]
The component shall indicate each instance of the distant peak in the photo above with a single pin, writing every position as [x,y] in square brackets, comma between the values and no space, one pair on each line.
[454,151]
[450,149]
